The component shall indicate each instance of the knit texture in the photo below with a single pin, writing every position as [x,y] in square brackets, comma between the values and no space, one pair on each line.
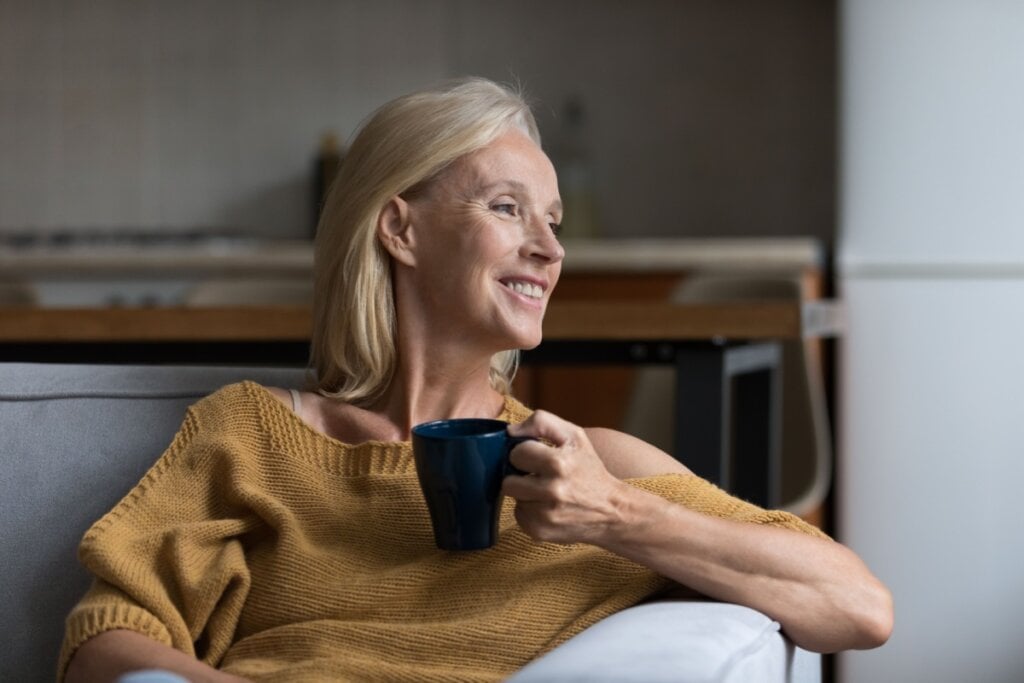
[272,551]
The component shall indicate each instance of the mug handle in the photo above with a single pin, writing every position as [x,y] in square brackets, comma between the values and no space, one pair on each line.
[513,442]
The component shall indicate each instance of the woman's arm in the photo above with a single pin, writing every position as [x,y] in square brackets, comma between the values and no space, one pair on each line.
[114,653]
[821,593]
[168,560]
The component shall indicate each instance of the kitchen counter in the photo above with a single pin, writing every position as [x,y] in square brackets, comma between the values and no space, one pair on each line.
[162,272]
[673,255]
[294,257]
[213,256]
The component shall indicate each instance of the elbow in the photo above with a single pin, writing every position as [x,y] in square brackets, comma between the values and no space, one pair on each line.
[867,604]
[882,623]
[860,619]
[874,618]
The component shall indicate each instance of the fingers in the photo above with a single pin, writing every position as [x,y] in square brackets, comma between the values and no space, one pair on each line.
[524,488]
[532,519]
[562,449]
[546,426]
[537,457]
[567,495]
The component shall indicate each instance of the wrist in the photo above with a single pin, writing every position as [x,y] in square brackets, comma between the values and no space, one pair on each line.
[630,514]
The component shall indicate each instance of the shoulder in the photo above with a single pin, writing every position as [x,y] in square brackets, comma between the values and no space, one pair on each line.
[282,395]
[628,457]
[242,407]
[339,420]
[230,399]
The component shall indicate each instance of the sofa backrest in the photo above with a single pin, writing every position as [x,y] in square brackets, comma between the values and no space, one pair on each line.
[73,440]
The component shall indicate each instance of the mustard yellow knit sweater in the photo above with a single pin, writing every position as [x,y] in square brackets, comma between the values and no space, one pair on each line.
[272,551]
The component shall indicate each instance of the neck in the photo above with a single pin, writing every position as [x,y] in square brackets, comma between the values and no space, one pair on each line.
[439,375]
[432,389]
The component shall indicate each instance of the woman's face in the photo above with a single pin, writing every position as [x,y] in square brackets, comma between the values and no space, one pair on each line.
[486,253]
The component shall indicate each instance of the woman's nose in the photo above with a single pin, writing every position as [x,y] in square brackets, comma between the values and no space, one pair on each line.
[542,244]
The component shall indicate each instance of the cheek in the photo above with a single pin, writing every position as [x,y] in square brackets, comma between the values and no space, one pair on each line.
[487,246]
[556,273]
[465,251]
[458,267]
[497,241]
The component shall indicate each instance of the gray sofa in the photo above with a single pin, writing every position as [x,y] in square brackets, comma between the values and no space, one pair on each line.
[74,439]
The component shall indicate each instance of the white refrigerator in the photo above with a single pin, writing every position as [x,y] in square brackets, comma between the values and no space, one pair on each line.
[930,456]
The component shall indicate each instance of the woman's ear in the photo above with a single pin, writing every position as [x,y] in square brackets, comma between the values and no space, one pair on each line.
[394,233]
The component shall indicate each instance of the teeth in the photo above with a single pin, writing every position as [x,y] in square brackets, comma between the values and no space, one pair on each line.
[526,289]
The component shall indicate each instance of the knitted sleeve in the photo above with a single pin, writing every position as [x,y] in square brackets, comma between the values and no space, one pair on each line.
[167,560]
[696,493]
[702,496]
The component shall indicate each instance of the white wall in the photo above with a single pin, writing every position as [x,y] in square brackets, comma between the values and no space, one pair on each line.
[932,134]
[930,473]
[931,444]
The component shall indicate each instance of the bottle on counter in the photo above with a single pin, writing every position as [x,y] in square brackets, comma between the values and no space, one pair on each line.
[571,157]
[328,160]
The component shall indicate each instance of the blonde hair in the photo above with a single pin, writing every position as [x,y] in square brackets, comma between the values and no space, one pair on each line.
[403,145]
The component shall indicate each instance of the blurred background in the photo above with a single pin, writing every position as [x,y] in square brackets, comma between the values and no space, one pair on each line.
[878,143]
[201,115]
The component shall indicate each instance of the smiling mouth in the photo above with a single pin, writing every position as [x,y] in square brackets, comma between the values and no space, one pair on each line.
[527,289]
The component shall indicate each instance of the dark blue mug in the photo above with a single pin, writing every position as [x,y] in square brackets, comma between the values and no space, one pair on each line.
[461,464]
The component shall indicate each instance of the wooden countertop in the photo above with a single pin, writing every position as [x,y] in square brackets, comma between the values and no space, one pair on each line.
[294,258]
[572,320]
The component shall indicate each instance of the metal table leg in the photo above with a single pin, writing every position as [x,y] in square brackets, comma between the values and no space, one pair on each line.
[728,402]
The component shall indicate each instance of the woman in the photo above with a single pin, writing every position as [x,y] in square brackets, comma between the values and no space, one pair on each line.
[282,536]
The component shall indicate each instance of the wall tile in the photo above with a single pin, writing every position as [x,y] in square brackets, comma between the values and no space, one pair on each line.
[704,117]
[30,137]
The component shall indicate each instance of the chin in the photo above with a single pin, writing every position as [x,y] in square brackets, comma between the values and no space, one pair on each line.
[518,333]
[530,343]
[524,347]
[521,341]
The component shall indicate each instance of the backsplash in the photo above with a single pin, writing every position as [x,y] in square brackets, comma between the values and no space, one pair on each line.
[157,115]
[143,116]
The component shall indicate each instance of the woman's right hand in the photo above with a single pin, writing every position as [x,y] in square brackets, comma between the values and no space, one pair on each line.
[570,496]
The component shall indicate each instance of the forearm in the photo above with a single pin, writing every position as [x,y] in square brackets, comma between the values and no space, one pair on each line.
[819,591]
[114,653]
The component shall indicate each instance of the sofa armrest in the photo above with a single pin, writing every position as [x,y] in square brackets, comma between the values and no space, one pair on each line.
[73,440]
[678,641]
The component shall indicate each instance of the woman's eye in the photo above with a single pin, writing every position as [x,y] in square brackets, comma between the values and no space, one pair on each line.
[556,228]
[510,209]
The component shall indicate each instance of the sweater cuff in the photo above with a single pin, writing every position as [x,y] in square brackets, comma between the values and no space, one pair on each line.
[83,624]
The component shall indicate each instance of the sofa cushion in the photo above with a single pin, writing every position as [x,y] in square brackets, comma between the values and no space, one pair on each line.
[677,641]
[73,441]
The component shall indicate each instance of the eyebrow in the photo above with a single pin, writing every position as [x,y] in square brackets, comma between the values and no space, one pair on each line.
[518,186]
